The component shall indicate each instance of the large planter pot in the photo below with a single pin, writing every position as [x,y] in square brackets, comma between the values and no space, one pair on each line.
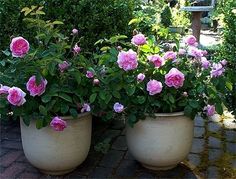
[58,152]
[162,142]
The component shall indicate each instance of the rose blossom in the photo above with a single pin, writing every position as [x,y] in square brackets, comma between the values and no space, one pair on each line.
[85,108]
[170,55]
[157,60]
[118,107]
[140,77]
[190,40]
[16,96]
[19,47]
[63,66]
[139,39]
[204,52]
[182,51]
[174,78]
[4,89]
[89,74]
[58,124]
[210,110]
[154,87]
[205,63]
[217,70]
[34,88]
[127,60]
[96,81]
[76,49]
[195,52]
[75,31]
[223,62]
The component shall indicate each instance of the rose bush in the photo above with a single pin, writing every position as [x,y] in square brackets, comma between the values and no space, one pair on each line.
[47,81]
[140,79]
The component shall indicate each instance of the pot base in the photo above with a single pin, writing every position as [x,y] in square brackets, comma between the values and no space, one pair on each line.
[55,172]
[158,167]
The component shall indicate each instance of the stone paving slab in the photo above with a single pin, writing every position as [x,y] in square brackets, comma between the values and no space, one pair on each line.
[212,155]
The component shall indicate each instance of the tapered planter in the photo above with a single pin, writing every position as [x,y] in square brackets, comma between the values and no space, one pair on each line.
[162,142]
[58,152]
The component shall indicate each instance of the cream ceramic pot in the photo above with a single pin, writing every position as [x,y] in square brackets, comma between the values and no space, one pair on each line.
[58,152]
[162,142]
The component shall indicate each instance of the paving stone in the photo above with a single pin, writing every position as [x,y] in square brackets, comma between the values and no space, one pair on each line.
[111,133]
[230,136]
[231,148]
[11,145]
[233,162]
[118,124]
[30,168]
[199,121]
[146,175]
[194,159]
[22,158]
[214,142]
[112,159]
[11,136]
[9,158]
[123,132]
[129,156]
[120,143]
[199,131]
[198,145]
[212,172]
[3,151]
[12,171]
[27,175]
[2,169]
[214,154]
[213,127]
[127,168]
[101,172]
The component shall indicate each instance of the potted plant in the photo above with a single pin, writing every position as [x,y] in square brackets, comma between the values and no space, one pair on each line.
[47,85]
[159,93]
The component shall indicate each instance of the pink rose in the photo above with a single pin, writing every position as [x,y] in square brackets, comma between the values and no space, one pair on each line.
[4,89]
[75,31]
[118,107]
[63,66]
[140,77]
[205,63]
[35,89]
[210,110]
[182,51]
[157,60]
[16,96]
[58,124]
[217,70]
[96,81]
[170,55]
[89,74]
[195,52]
[223,62]
[174,78]
[85,108]
[190,40]
[76,49]
[127,60]
[138,39]
[154,87]
[204,52]
[19,47]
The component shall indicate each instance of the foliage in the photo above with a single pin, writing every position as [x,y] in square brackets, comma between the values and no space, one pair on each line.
[166,16]
[118,85]
[93,18]
[66,91]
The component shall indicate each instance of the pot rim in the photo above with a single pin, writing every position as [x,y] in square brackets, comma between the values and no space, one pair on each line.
[181,113]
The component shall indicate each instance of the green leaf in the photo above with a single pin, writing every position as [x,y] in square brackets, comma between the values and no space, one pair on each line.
[188,110]
[64,108]
[133,21]
[132,120]
[46,98]
[77,76]
[141,99]
[39,123]
[57,22]
[26,120]
[116,94]
[92,97]
[6,52]
[74,113]
[193,104]
[130,90]
[65,97]
[102,95]
[229,85]
[108,98]
[145,48]
[171,99]
[219,108]
[43,110]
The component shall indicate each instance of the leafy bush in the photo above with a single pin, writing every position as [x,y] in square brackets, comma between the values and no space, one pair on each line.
[94,18]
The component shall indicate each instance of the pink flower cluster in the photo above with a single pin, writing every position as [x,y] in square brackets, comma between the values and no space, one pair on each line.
[85,108]
[58,124]
[191,40]
[118,107]
[34,88]
[63,66]
[138,39]
[157,60]
[174,78]
[217,70]
[210,110]
[140,77]
[154,87]
[127,60]
[19,47]
[169,55]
